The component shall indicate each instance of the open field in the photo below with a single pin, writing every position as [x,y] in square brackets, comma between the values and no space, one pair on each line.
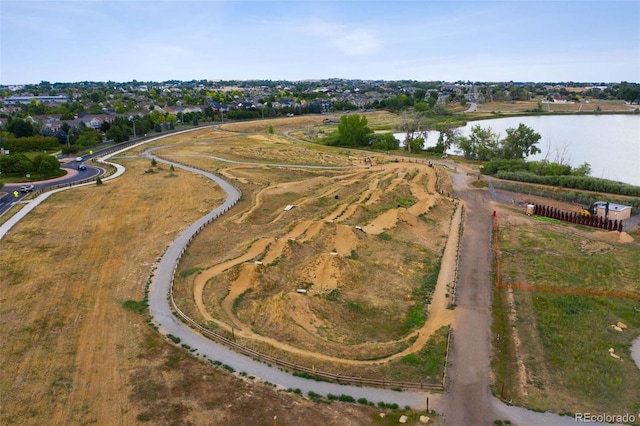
[519,107]
[553,350]
[73,354]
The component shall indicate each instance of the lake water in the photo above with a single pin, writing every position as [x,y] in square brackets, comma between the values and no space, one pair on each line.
[609,143]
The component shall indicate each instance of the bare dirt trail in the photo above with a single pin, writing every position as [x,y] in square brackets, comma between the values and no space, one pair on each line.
[345,241]
[469,393]
[201,279]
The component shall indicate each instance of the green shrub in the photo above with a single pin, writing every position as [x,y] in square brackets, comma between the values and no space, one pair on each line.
[173,338]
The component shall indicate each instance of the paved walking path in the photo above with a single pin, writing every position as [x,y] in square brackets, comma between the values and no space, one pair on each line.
[635,351]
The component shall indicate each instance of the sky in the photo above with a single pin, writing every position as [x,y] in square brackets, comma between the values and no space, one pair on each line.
[155,40]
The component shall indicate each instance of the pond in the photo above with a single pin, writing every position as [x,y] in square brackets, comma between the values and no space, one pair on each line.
[609,143]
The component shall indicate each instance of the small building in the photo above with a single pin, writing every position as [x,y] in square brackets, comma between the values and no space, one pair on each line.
[616,211]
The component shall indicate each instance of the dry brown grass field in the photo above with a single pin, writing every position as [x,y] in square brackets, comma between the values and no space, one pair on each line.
[519,107]
[72,354]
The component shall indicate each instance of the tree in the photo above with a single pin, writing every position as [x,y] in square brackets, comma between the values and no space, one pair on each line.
[117,133]
[520,143]
[208,113]
[416,145]
[384,141]
[353,130]
[447,137]
[62,136]
[582,170]
[46,131]
[481,144]
[432,99]
[414,126]
[15,163]
[20,128]
[89,137]
[65,127]
[399,102]
[48,166]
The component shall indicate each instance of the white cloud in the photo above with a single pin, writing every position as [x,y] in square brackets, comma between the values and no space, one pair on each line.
[351,41]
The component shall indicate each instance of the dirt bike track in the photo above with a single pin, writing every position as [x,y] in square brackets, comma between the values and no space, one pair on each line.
[438,314]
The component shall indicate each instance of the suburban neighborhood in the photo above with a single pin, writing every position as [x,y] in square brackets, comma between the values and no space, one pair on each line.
[52,107]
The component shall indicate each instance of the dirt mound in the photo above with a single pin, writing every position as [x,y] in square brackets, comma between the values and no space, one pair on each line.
[345,240]
[613,236]
[325,273]
[383,222]
[301,313]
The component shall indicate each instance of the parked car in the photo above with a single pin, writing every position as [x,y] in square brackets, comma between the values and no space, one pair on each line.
[27,188]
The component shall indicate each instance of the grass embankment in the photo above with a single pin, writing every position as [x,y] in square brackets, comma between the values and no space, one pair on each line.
[553,351]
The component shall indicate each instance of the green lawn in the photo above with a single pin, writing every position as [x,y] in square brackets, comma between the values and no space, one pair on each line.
[564,339]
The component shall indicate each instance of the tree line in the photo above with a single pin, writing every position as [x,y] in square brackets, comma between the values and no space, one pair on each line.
[504,158]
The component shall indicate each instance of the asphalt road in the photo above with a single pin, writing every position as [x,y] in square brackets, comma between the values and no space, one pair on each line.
[73,176]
